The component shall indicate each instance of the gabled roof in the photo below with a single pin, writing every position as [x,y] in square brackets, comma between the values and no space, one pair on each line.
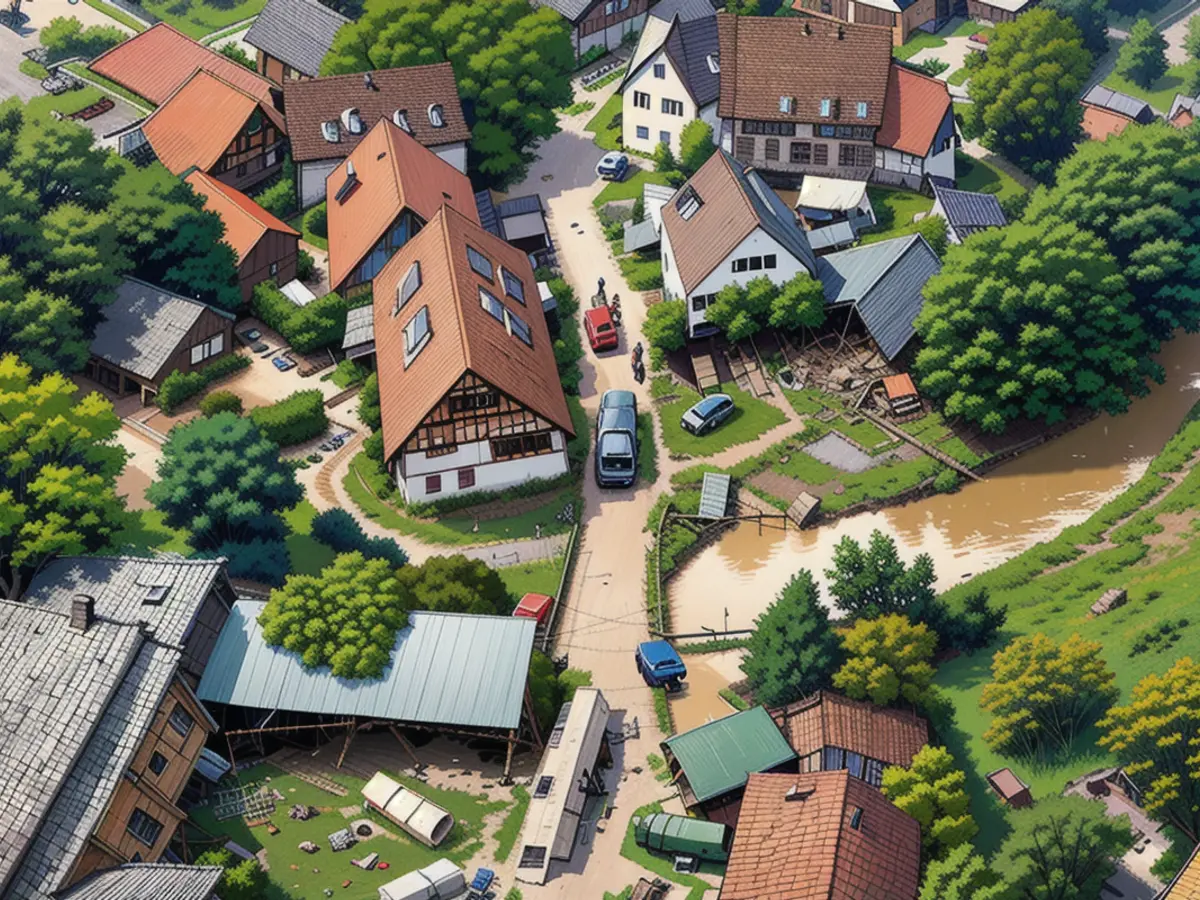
[717,757]
[142,881]
[155,63]
[826,719]
[465,337]
[884,281]
[915,109]
[1122,104]
[838,839]
[197,123]
[296,32]
[765,58]
[1190,106]
[571,10]
[734,202]
[689,41]
[968,212]
[245,221]
[394,172]
[413,89]
[143,326]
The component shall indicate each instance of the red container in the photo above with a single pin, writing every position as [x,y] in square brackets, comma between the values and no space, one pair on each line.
[534,606]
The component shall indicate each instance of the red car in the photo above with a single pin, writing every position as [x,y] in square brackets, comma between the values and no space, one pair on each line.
[601,332]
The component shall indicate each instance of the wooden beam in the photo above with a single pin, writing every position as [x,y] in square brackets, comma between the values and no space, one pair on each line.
[351,730]
[406,745]
[278,728]
[512,740]
[533,722]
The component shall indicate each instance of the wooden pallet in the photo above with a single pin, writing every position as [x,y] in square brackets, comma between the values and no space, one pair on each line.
[704,366]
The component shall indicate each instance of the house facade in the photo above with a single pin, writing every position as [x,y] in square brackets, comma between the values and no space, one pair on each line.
[291,38]
[469,392]
[600,23]
[836,105]
[902,17]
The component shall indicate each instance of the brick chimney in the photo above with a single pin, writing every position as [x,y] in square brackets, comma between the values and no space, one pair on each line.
[83,612]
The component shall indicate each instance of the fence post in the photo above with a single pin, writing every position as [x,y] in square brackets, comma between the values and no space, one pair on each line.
[564,582]
[658,585]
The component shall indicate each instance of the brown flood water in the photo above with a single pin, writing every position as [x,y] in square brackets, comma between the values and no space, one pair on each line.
[1016,506]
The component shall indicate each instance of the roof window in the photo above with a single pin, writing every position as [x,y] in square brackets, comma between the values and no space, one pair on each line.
[786,104]
[480,264]
[416,335]
[436,116]
[856,818]
[156,595]
[348,185]
[714,63]
[491,305]
[519,328]
[513,286]
[331,132]
[688,202]
[826,107]
[860,109]
[400,117]
[352,121]
[543,786]
[408,287]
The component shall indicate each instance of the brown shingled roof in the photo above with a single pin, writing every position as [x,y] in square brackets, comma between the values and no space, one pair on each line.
[765,58]
[413,89]
[1099,123]
[826,719]
[915,108]
[245,221]
[394,173]
[813,849]
[465,338]
[155,63]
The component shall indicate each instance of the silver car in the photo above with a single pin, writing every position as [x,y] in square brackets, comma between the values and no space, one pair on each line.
[707,413]
[616,440]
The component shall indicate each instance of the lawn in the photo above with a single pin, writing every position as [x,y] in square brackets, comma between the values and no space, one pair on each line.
[894,211]
[308,555]
[113,13]
[1162,93]
[606,124]
[197,19]
[977,175]
[642,271]
[750,419]
[661,865]
[541,577]
[969,27]
[67,103]
[149,532]
[300,223]
[297,875]
[647,449]
[630,188]
[510,828]
[959,77]
[917,41]
[32,69]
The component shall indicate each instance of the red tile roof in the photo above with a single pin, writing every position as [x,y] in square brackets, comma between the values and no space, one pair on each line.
[465,338]
[245,221]
[826,719]
[155,63]
[896,386]
[813,849]
[1099,123]
[394,173]
[915,108]
[200,120]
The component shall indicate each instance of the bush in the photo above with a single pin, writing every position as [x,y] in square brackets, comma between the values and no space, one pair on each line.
[316,220]
[232,51]
[279,198]
[341,531]
[66,37]
[265,560]
[307,328]
[243,880]
[946,482]
[666,325]
[180,386]
[305,265]
[221,401]
[294,419]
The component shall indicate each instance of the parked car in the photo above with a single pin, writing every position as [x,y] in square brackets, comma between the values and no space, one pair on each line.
[613,166]
[616,440]
[601,332]
[660,665]
[707,413]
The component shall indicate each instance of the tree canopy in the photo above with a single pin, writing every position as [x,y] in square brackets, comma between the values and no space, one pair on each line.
[874,581]
[793,650]
[666,325]
[933,791]
[1028,321]
[58,482]
[741,311]
[456,584]
[695,146]
[1043,694]
[1191,39]
[512,64]
[1025,97]
[1090,17]
[1143,57]
[1157,734]
[889,660]
[961,875]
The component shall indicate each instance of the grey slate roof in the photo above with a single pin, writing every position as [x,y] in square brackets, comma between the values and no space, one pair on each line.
[773,214]
[298,32]
[519,206]
[640,235]
[689,45]
[884,281]
[147,881]
[968,212]
[446,669]
[360,326]
[1123,104]
[488,217]
[143,326]
[571,10]
[686,10]
[1181,102]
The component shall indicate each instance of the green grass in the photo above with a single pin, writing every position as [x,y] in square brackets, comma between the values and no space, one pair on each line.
[630,188]
[606,124]
[299,222]
[623,894]
[1162,93]
[148,531]
[733,699]
[805,468]
[647,449]
[864,432]
[510,829]
[402,854]
[810,401]
[110,87]
[197,19]
[119,15]
[662,710]
[308,555]
[606,80]
[959,77]
[641,271]
[917,41]
[578,107]
[977,175]
[894,211]
[662,866]
[223,33]
[67,103]
[751,418]
[32,69]
[881,483]
[541,577]
[969,27]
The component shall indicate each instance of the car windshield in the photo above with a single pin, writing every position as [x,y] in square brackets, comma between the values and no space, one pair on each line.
[708,406]
[616,451]
[604,327]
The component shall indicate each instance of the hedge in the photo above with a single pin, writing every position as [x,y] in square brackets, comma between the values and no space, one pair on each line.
[294,419]
[180,386]
[221,401]
[307,328]
[339,530]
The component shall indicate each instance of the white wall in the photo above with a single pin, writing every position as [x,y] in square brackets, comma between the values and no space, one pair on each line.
[489,475]
[941,163]
[672,284]
[455,154]
[654,118]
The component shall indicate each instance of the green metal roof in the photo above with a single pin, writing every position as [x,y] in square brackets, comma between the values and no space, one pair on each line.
[718,757]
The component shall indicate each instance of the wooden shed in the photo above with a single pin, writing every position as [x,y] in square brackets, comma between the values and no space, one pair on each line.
[902,396]
[1009,788]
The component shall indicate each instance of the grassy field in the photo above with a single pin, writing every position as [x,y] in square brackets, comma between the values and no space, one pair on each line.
[1154,554]
[1160,94]
[894,211]
[120,16]
[606,124]
[510,828]
[198,19]
[32,69]
[630,188]
[297,875]
[750,419]
[917,41]
[539,577]
[977,175]
[308,555]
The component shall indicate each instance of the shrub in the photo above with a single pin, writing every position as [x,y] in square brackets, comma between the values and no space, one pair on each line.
[455,584]
[231,50]
[221,401]
[316,220]
[341,531]
[66,37]
[180,386]
[305,265]
[307,328]
[294,419]
[666,325]
[279,198]
[946,482]
[243,880]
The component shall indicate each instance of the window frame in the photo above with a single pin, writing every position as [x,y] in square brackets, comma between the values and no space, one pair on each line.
[154,757]
[643,133]
[474,256]
[147,823]
[641,100]
[414,345]
[466,478]
[660,70]
[508,278]
[433,483]
[181,710]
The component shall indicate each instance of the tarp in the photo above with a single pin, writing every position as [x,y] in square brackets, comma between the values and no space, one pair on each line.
[425,821]
[831,193]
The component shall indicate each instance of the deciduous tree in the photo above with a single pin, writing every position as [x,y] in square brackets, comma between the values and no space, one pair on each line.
[40,328]
[741,311]
[1191,40]
[874,581]
[695,146]
[1043,694]
[933,791]
[1090,17]
[456,584]
[1143,57]
[793,650]
[799,303]
[889,660]
[962,875]
[666,325]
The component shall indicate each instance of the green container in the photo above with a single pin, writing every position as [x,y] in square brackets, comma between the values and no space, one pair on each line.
[672,835]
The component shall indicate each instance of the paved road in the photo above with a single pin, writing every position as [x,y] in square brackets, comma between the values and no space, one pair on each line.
[14,82]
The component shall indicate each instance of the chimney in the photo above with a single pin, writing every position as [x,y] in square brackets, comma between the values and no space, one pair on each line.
[83,612]
[368,81]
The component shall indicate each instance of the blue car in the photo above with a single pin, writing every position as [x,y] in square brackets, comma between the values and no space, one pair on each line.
[613,166]
[660,665]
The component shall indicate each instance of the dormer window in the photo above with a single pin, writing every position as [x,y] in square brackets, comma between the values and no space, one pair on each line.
[688,203]
[352,121]
[408,287]
[826,108]
[436,116]
[400,117]
[714,63]
[331,132]
[785,105]
[860,109]
[254,123]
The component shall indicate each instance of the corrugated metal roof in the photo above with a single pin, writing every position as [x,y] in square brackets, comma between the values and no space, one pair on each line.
[714,495]
[139,881]
[446,669]
[718,757]
[297,32]
[360,326]
[519,206]
[967,211]
[639,235]
[1131,107]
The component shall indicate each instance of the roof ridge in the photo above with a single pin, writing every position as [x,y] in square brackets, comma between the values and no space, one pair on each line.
[220,189]
[837,841]
[902,64]
[444,211]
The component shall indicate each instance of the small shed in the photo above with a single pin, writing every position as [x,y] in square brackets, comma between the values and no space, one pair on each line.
[902,396]
[420,818]
[669,834]
[803,508]
[359,338]
[1109,600]
[440,880]
[534,606]
[1009,788]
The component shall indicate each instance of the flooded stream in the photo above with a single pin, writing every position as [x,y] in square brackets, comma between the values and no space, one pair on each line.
[1016,506]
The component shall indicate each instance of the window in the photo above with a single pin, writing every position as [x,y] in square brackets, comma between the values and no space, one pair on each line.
[513,286]
[672,107]
[856,818]
[643,133]
[144,828]
[755,263]
[519,327]
[846,154]
[874,776]
[743,148]
[156,595]
[820,154]
[208,349]
[532,857]
[624,4]
[664,137]
[800,152]
[416,335]
[714,63]
[769,261]
[778,129]
[400,117]
[832,759]
[466,479]
[273,269]
[641,100]
[860,109]
[946,143]
[740,265]
[521,445]
[481,265]
[491,305]
[241,170]
[700,302]
[771,149]
[610,7]
[158,763]
[826,108]
[181,720]
[785,104]
[436,117]
[254,123]
[481,400]
[543,786]
[854,762]
[688,202]
[408,287]
[433,484]
[352,121]
[660,70]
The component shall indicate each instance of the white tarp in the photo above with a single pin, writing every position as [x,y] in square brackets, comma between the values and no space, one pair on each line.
[425,821]
[440,880]
[818,192]
[295,291]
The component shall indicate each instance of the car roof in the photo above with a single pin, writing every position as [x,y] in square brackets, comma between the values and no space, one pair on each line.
[599,315]
[658,651]
[617,417]
[616,442]
[709,403]
[618,399]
